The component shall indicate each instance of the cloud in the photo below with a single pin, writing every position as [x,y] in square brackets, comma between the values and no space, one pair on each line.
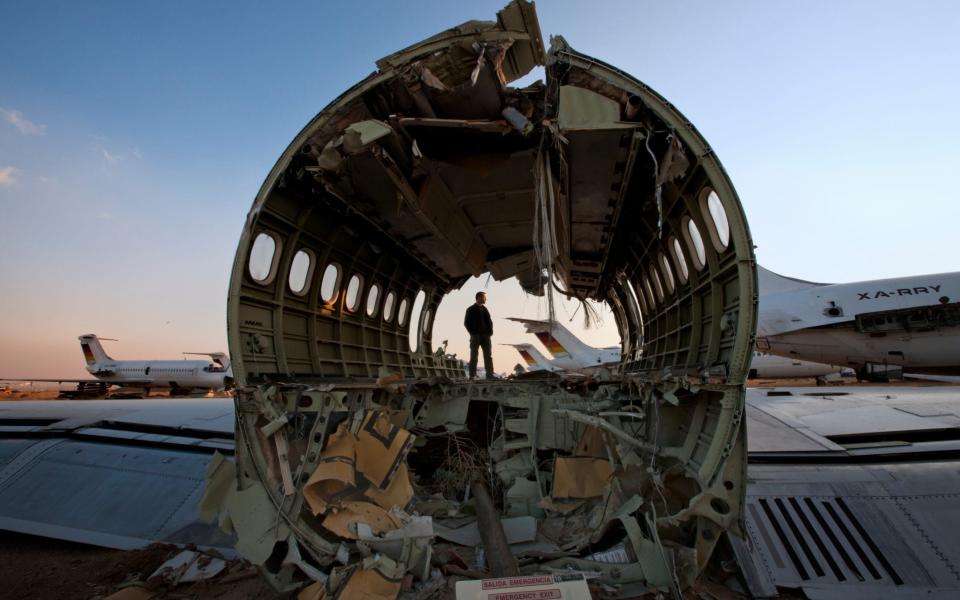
[8,176]
[110,157]
[23,124]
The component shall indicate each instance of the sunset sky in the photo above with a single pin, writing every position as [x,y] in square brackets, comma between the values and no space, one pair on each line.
[134,137]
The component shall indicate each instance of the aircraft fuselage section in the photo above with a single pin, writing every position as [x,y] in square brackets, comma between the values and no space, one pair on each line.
[936,351]
[160,373]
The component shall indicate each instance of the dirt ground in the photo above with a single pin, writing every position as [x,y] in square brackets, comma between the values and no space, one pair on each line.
[35,567]
[26,393]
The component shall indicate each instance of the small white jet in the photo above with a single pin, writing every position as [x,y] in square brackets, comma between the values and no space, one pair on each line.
[535,359]
[178,375]
[875,327]
[568,351]
[181,376]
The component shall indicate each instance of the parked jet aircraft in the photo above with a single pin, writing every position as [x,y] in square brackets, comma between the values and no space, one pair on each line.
[569,352]
[179,375]
[574,355]
[908,322]
[534,359]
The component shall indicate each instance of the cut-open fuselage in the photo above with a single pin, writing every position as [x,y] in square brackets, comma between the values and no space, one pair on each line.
[431,171]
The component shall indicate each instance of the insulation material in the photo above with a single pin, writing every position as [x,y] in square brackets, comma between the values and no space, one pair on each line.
[397,495]
[335,471]
[580,476]
[381,448]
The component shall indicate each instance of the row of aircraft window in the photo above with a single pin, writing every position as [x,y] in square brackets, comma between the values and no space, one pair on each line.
[147,370]
[662,276]
[263,264]
[656,284]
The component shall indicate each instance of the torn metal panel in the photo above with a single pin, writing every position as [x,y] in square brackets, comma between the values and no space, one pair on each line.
[579,477]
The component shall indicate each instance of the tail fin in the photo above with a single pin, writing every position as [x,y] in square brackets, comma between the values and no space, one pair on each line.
[559,340]
[92,350]
[772,283]
[532,356]
[220,359]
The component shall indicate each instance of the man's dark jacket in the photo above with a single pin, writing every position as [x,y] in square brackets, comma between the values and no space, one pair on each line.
[478,321]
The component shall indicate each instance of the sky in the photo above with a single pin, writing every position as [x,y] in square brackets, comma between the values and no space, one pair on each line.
[134,137]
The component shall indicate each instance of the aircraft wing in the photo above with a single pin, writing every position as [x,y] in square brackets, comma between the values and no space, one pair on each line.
[851,492]
[64,464]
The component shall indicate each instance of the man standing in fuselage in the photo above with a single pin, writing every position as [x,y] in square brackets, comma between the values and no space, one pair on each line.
[480,326]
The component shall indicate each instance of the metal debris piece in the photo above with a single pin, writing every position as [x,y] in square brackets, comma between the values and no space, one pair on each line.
[497,551]
[189,566]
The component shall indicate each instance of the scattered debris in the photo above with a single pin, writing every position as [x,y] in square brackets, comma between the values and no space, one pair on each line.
[189,566]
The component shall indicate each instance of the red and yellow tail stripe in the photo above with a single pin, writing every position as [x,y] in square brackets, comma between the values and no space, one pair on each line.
[88,354]
[526,356]
[551,343]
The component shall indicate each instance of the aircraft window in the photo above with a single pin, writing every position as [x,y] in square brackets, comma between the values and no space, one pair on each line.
[655,277]
[649,293]
[641,301]
[720,227]
[402,312]
[635,303]
[373,298]
[300,270]
[426,322]
[667,272]
[679,260]
[262,256]
[330,284]
[388,305]
[414,333]
[698,253]
[353,293]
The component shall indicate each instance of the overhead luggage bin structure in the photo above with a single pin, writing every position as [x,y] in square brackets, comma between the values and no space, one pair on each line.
[358,441]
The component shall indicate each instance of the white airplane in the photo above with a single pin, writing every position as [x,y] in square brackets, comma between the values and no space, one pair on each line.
[180,376]
[535,360]
[873,326]
[568,351]
[763,366]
